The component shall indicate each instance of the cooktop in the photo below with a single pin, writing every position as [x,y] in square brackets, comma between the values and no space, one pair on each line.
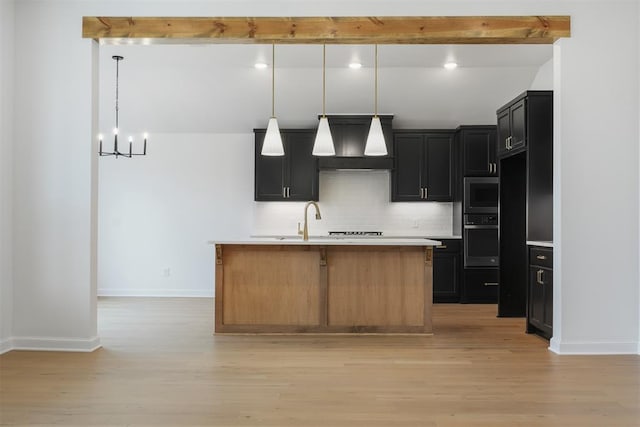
[356,233]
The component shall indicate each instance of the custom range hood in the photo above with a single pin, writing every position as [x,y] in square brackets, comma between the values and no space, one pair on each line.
[349,133]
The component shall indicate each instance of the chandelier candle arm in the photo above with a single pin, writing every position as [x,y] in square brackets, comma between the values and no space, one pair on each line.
[116,130]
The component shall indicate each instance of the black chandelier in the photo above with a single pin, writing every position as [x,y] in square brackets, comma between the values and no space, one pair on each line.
[115,151]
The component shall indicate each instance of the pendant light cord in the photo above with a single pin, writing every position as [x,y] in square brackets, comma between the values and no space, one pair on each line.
[273,80]
[324,62]
[117,75]
[375,107]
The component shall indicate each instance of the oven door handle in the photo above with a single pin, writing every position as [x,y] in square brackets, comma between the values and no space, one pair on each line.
[476,227]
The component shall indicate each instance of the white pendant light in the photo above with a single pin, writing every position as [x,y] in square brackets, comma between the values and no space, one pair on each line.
[272,145]
[375,145]
[323,145]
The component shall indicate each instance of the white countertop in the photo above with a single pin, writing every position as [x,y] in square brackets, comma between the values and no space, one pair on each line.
[335,241]
[388,236]
[545,244]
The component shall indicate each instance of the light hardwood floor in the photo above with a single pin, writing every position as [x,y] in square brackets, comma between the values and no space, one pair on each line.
[161,365]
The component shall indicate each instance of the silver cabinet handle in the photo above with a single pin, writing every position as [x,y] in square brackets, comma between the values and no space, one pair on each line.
[490,284]
[541,257]
[441,247]
[426,194]
[284,192]
[422,193]
[539,277]
[288,192]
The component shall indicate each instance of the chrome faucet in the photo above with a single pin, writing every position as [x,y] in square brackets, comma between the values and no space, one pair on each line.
[305,231]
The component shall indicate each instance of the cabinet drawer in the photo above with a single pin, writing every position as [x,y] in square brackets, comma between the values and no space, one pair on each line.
[541,256]
[452,245]
[480,285]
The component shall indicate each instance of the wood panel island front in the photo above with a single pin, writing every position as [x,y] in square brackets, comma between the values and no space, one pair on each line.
[324,286]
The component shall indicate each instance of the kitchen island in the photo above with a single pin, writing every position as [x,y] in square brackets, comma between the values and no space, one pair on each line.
[270,285]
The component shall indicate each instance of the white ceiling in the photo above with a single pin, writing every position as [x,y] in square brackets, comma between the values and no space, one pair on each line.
[215,88]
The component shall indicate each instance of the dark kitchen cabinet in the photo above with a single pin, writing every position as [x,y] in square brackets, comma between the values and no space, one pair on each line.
[424,166]
[523,121]
[540,174]
[540,295]
[511,128]
[446,271]
[480,285]
[478,148]
[525,191]
[292,177]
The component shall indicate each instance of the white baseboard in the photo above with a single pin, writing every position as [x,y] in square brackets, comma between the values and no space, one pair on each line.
[55,344]
[175,293]
[600,348]
[6,345]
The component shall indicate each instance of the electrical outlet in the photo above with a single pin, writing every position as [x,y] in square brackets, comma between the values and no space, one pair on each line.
[166,272]
[415,224]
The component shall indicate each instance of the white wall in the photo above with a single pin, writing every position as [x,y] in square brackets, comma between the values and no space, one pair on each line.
[6,171]
[157,212]
[54,289]
[208,89]
[543,79]
[596,197]
[598,309]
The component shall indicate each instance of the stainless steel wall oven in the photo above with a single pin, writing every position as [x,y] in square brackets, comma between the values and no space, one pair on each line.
[481,240]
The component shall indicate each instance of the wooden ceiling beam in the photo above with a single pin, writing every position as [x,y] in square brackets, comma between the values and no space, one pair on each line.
[333,30]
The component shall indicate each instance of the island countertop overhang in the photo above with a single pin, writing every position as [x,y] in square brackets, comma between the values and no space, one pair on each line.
[329,241]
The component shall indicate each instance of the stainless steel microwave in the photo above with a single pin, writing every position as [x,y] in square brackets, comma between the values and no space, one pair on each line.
[480,195]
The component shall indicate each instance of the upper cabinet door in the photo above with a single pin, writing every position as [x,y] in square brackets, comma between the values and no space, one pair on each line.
[269,173]
[513,126]
[407,172]
[302,167]
[424,167]
[518,124]
[504,131]
[438,167]
[292,177]
[479,151]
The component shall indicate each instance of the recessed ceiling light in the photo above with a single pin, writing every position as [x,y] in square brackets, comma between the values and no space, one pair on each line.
[355,65]
[260,65]
[451,65]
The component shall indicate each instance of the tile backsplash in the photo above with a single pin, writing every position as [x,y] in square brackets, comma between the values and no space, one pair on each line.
[355,201]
